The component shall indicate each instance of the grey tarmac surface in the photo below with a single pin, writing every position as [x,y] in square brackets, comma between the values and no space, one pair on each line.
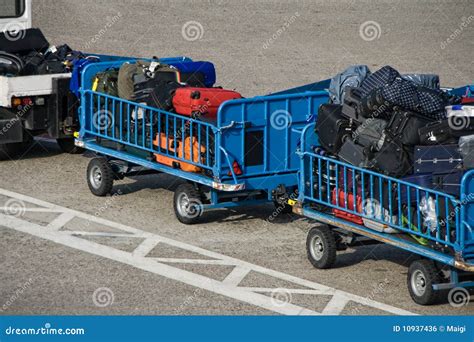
[321,38]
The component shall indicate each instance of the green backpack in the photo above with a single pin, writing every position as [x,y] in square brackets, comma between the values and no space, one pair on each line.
[106,82]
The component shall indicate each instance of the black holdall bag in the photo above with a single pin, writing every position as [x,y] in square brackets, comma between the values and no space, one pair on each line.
[370,134]
[332,127]
[23,41]
[354,154]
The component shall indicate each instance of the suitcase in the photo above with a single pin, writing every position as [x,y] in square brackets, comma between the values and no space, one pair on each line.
[332,128]
[461,120]
[393,159]
[354,153]
[449,183]
[170,146]
[157,93]
[196,74]
[195,102]
[424,180]
[351,104]
[440,158]
[339,200]
[466,148]
[435,133]
[370,134]
[404,126]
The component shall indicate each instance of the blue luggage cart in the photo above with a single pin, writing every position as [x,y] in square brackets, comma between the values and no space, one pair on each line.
[358,205]
[248,155]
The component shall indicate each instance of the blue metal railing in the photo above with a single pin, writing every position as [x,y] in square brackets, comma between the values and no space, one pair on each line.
[385,200]
[149,129]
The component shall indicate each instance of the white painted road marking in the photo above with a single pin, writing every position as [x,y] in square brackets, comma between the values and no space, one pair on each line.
[138,258]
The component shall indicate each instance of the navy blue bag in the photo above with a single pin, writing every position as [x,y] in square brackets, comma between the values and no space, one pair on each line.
[196,74]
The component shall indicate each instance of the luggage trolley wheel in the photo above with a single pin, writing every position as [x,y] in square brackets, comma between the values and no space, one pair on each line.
[321,247]
[422,274]
[187,203]
[100,177]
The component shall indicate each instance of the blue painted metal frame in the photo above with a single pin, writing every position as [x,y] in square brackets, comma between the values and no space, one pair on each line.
[235,118]
[462,206]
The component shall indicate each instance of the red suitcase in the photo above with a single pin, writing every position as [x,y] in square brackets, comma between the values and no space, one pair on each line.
[339,200]
[191,101]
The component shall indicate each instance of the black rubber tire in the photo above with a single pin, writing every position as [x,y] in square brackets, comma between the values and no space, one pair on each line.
[67,146]
[189,215]
[430,275]
[283,208]
[103,182]
[327,251]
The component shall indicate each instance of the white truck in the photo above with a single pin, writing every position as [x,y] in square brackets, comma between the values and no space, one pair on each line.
[33,105]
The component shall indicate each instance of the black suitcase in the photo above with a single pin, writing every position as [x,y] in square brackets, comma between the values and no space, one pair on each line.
[351,104]
[448,182]
[440,158]
[353,153]
[393,159]
[435,133]
[404,126]
[332,127]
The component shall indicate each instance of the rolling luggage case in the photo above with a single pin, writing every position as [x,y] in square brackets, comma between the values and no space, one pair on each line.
[332,127]
[440,158]
[392,159]
[194,102]
[196,74]
[339,199]
[172,146]
[448,182]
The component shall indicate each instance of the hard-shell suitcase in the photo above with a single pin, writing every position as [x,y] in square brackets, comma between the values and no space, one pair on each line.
[332,127]
[197,102]
[339,199]
[196,74]
[448,182]
[440,158]
[172,147]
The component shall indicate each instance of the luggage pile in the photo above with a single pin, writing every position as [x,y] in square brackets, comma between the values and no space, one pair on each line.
[402,126]
[33,55]
[183,88]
